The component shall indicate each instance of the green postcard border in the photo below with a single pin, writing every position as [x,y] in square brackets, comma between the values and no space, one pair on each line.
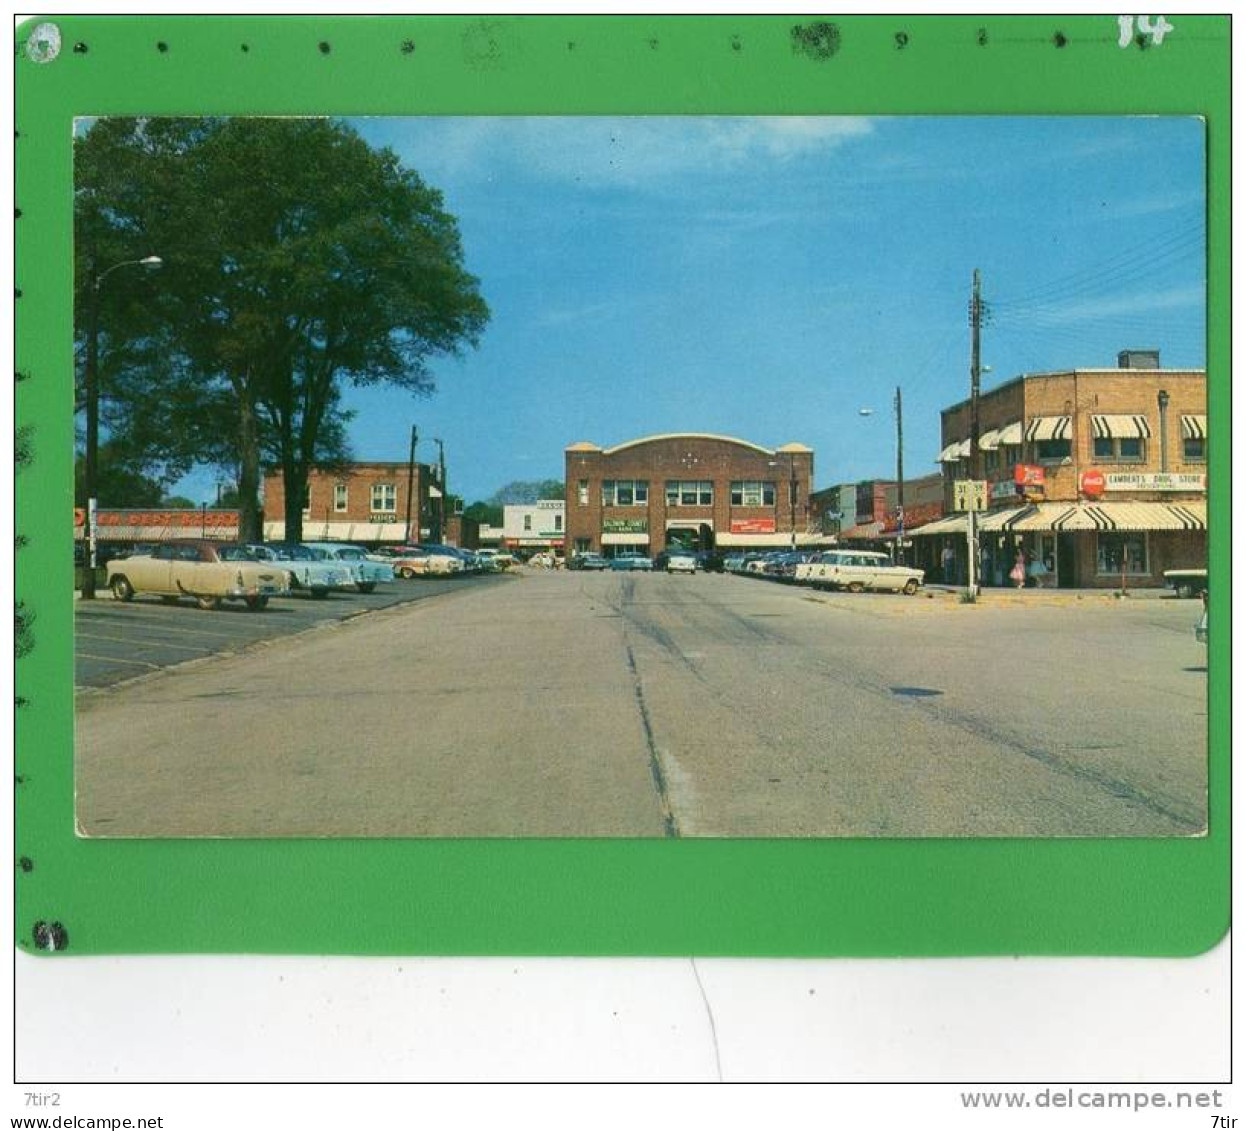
[763,897]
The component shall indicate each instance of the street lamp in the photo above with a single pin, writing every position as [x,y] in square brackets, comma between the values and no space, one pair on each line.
[91,470]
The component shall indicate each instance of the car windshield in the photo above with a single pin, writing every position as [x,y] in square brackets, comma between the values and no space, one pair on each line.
[351,554]
[234,554]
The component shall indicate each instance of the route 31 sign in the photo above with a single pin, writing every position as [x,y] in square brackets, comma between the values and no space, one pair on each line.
[969,495]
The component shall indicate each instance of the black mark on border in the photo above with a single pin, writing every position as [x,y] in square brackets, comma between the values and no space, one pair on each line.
[902,40]
[816,41]
[49,936]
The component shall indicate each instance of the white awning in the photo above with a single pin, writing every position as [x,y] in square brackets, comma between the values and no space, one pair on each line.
[344,531]
[1003,519]
[1048,428]
[1194,427]
[952,524]
[1120,427]
[774,541]
[954,452]
[1010,434]
[625,539]
[989,441]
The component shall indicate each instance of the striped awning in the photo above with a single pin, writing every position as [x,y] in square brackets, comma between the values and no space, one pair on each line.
[1194,427]
[1133,427]
[1003,520]
[1048,428]
[953,452]
[989,441]
[1071,517]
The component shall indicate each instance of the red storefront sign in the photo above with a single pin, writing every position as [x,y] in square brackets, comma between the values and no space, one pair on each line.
[188,519]
[1029,475]
[752,526]
[1093,483]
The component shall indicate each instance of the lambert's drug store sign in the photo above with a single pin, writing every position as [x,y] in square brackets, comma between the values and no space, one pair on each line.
[1154,481]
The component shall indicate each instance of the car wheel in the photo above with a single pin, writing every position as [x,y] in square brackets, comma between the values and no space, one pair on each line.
[257,603]
[208,604]
[1185,591]
[366,586]
[407,573]
[910,586]
[855,587]
[319,594]
[122,590]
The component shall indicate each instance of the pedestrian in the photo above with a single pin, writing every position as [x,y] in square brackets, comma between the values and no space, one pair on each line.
[948,560]
[1038,571]
[1018,570]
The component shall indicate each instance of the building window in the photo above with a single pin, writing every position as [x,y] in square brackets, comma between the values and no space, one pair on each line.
[1194,449]
[689,493]
[583,492]
[752,493]
[583,545]
[1123,553]
[527,522]
[339,497]
[558,523]
[625,493]
[1126,449]
[1050,451]
[990,460]
[384,498]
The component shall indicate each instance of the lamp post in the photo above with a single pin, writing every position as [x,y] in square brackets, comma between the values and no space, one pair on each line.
[441,509]
[90,472]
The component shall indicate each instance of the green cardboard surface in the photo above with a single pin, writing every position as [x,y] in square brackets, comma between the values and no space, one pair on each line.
[763,897]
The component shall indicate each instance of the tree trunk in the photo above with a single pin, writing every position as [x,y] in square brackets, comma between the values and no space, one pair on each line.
[294,476]
[249,527]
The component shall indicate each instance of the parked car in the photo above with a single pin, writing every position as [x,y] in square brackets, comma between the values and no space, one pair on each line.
[495,559]
[681,561]
[631,561]
[427,561]
[734,563]
[1200,629]
[587,560]
[209,572]
[710,561]
[856,570]
[306,569]
[1186,582]
[364,572]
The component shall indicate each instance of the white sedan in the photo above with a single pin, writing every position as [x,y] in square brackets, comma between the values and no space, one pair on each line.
[677,562]
[856,570]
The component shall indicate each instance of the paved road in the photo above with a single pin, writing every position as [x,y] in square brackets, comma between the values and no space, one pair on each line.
[653,705]
[115,641]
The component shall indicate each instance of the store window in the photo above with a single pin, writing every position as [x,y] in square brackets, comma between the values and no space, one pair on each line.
[752,493]
[384,498]
[339,497]
[558,523]
[1049,451]
[582,492]
[1194,449]
[625,493]
[583,545]
[1123,553]
[1124,449]
[689,493]
[527,522]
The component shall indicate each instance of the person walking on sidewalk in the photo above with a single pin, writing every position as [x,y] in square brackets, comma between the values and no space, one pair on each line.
[1018,570]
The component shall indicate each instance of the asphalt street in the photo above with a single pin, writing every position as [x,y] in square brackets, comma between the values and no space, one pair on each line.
[115,641]
[581,704]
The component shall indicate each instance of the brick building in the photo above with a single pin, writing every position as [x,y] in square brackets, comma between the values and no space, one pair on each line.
[690,489]
[1099,474]
[362,502]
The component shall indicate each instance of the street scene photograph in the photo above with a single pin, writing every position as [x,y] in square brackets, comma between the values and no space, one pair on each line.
[640,477]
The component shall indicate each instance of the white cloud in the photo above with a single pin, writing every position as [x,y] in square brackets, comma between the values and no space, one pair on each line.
[628,152]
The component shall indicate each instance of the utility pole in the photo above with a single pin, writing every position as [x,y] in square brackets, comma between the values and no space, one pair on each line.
[441,510]
[975,457]
[899,475]
[411,481]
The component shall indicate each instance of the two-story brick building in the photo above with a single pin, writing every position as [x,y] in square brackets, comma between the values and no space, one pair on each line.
[689,489]
[362,502]
[1099,474]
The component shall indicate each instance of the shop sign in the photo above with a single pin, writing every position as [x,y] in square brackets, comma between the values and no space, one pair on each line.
[1003,489]
[752,526]
[196,519]
[1155,481]
[625,526]
[1093,483]
[1029,475]
[382,516]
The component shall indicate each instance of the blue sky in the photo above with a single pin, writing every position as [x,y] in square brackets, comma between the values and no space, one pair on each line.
[768,277]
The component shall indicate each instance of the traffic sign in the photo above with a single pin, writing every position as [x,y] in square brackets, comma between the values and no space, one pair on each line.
[969,495]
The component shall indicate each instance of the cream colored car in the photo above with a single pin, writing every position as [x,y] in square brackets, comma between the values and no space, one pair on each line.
[856,570]
[208,572]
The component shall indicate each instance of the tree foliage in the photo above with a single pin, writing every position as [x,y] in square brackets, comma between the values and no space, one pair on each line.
[522,491]
[298,261]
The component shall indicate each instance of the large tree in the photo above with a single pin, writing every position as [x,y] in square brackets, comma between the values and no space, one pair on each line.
[298,261]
